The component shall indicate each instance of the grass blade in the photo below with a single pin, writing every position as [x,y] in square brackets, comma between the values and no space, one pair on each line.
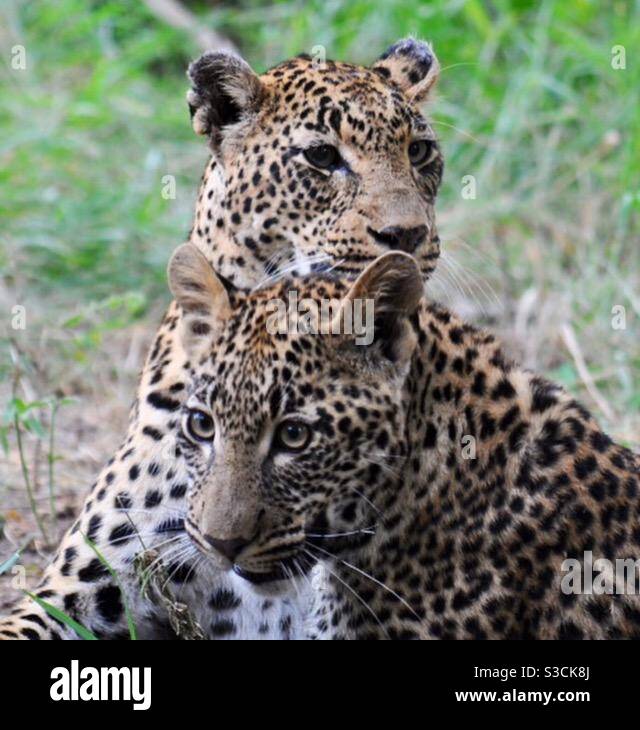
[27,480]
[130,623]
[82,632]
[8,564]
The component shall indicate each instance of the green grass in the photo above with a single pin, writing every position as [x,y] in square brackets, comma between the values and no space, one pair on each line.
[133,634]
[61,616]
[528,104]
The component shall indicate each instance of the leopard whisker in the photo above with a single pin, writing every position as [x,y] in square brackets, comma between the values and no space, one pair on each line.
[354,593]
[384,455]
[445,279]
[474,279]
[385,467]
[364,530]
[364,574]
[177,549]
[473,286]
[188,554]
[282,272]
[291,578]
[154,511]
[194,566]
[368,501]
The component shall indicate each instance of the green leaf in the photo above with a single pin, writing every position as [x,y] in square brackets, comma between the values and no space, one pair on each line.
[4,439]
[26,407]
[33,425]
[16,407]
[73,322]
[82,632]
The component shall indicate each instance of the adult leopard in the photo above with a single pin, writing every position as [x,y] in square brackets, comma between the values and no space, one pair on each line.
[447,492]
[313,164]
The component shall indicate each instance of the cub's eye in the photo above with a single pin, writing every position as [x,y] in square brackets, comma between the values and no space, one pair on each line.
[420,151]
[292,436]
[324,156]
[200,426]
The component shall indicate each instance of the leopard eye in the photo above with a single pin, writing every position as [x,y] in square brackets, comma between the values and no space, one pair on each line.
[324,156]
[420,151]
[292,436]
[199,425]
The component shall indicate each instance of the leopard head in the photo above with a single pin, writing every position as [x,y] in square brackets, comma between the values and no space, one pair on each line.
[291,434]
[316,164]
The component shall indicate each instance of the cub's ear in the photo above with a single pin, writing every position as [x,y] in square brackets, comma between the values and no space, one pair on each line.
[410,65]
[388,292]
[203,298]
[224,90]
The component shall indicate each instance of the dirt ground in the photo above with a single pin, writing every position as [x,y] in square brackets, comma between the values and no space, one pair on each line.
[86,434]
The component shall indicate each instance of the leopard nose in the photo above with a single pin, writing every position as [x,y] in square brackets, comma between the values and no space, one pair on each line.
[400,238]
[229,548]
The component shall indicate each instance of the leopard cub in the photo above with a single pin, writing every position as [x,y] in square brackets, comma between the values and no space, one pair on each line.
[441,486]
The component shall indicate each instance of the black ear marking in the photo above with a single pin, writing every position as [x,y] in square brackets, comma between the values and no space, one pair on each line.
[418,53]
[224,88]
[411,65]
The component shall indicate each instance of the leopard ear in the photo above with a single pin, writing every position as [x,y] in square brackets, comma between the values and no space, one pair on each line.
[224,91]
[412,66]
[389,291]
[203,297]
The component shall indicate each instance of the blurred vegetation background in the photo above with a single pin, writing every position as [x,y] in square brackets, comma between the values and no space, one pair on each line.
[529,104]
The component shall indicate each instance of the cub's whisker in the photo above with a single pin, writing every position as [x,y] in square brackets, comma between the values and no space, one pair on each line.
[364,574]
[354,593]
[364,530]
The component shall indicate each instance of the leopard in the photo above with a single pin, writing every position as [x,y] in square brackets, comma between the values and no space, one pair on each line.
[313,165]
[447,492]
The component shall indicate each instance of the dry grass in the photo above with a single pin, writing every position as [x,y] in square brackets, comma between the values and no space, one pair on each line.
[87,432]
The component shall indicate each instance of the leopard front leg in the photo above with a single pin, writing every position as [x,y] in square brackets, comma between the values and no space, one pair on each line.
[133,516]
[136,505]
[86,594]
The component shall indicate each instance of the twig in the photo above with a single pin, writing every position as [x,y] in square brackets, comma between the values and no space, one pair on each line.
[181,620]
[571,341]
[177,16]
[35,468]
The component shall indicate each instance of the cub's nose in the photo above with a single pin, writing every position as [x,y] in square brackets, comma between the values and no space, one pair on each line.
[402,239]
[229,548]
